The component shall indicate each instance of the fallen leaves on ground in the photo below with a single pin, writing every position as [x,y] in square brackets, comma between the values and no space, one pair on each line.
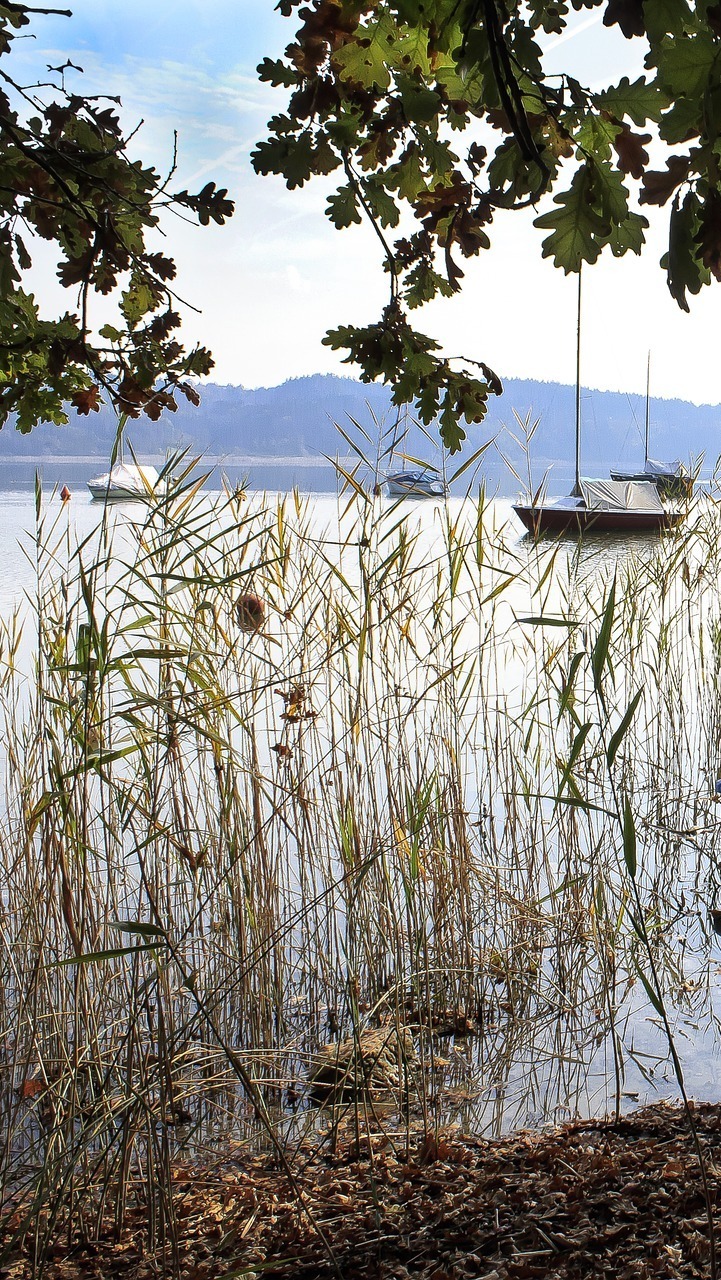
[592,1199]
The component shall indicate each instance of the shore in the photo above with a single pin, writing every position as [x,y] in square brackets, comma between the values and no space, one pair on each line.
[597,1198]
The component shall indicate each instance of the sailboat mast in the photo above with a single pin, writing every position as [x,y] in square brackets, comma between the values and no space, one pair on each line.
[577,486]
[648,407]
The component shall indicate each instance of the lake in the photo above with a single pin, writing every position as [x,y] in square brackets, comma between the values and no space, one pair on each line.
[400,797]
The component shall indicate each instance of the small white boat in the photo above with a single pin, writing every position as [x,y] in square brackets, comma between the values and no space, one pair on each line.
[415,484]
[126,482]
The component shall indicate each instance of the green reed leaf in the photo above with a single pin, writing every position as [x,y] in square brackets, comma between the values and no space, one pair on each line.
[568,687]
[620,733]
[543,620]
[96,957]
[138,926]
[629,839]
[600,651]
[576,749]
[652,995]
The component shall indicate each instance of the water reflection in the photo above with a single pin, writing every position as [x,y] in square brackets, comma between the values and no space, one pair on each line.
[399,798]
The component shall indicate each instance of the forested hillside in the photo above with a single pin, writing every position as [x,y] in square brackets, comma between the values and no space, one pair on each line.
[297,419]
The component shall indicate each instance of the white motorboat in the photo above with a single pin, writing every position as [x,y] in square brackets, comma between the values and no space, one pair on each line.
[415,484]
[127,482]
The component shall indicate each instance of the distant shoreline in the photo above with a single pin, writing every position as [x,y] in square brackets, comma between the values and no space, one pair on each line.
[240,460]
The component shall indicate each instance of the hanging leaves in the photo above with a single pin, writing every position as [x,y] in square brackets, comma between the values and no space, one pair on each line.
[708,236]
[383,90]
[686,273]
[658,187]
[68,178]
[397,354]
[578,227]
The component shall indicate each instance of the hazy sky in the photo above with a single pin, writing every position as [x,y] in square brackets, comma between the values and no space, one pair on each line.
[270,283]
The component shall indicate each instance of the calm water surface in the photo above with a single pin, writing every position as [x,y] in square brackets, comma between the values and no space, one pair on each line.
[82,515]
[647,1072]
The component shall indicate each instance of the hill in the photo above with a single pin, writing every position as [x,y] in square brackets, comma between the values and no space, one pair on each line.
[296,419]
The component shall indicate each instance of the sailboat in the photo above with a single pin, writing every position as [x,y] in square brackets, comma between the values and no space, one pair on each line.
[670,478]
[627,505]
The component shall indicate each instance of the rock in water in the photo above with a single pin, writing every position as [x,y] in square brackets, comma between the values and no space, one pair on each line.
[373,1060]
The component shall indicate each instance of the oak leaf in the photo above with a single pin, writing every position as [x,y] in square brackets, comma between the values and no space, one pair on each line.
[658,187]
[640,100]
[628,14]
[708,236]
[684,270]
[30,1089]
[87,400]
[631,150]
[577,228]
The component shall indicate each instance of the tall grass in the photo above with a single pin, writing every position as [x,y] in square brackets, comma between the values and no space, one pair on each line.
[268,783]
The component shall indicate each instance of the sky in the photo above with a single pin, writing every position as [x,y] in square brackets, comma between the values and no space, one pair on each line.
[263,290]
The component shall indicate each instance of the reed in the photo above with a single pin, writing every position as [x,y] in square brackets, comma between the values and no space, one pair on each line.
[270,783]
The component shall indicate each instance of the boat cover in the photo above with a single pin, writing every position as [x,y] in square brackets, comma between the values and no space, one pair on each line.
[409,477]
[620,495]
[667,470]
[125,475]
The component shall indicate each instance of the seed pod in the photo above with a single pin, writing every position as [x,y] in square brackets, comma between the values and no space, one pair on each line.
[249,612]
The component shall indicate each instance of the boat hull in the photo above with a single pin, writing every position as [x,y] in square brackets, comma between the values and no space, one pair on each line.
[543,520]
[415,484]
[397,489]
[100,493]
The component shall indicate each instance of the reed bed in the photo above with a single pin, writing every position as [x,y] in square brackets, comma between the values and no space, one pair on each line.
[269,785]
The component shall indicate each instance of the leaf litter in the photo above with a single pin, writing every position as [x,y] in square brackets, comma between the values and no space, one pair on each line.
[594,1198]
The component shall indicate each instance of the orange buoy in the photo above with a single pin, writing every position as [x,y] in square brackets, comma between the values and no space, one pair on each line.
[65,493]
